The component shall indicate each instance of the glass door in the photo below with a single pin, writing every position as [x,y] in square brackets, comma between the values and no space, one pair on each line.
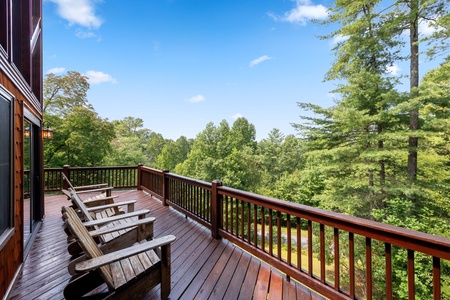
[31,189]
[27,185]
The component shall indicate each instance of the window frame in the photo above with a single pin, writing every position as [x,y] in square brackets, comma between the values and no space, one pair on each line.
[9,232]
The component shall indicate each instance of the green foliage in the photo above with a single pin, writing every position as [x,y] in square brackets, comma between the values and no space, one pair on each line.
[224,153]
[134,144]
[126,151]
[81,137]
[63,92]
[173,153]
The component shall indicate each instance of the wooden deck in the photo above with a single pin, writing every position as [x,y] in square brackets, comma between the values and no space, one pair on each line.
[202,267]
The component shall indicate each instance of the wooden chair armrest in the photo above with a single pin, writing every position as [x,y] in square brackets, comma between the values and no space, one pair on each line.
[94,263]
[67,193]
[97,201]
[129,204]
[108,188]
[91,202]
[90,187]
[115,228]
[138,213]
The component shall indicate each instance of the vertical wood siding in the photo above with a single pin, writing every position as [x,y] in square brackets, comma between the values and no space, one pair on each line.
[11,255]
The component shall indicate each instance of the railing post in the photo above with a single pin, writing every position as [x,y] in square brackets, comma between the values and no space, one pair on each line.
[216,200]
[66,173]
[165,186]
[139,177]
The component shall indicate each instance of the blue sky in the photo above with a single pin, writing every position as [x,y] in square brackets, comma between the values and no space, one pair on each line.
[179,64]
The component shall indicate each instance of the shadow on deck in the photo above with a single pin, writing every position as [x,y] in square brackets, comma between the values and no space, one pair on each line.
[202,267]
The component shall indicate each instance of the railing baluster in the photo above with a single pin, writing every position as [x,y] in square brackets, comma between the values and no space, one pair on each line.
[255,225]
[249,238]
[232,215]
[263,228]
[279,234]
[411,280]
[227,216]
[270,233]
[188,197]
[289,239]
[242,220]
[337,265]
[237,217]
[299,242]
[310,251]
[351,262]
[197,191]
[208,204]
[369,269]
[322,253]
[201,199]
[436,278]
[192,199]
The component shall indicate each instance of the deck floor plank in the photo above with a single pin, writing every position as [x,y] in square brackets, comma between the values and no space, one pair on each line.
[202,267]
[237,281]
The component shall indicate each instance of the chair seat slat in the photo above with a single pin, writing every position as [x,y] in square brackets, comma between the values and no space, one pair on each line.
[118,275]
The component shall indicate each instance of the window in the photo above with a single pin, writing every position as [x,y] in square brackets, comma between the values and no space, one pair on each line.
[21,37]
[6,207]
[4,25]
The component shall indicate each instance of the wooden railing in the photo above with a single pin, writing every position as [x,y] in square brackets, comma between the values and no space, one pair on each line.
[118,177]
[337,255]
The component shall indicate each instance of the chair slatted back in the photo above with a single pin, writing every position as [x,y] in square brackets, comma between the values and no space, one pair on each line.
[79,203]
[86,242]
[64,177]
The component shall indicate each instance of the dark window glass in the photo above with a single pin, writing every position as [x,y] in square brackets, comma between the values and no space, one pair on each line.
[5,164]
[3,24]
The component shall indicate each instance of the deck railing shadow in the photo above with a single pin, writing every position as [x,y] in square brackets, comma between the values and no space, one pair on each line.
[338,256]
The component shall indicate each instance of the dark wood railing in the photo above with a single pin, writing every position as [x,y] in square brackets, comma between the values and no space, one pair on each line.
[336,255]
[118,177]
[331,253]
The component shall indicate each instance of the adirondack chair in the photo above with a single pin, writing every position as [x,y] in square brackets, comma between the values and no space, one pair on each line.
[100,203]
[95,218]
[128,273]
[100,187]
[93,200]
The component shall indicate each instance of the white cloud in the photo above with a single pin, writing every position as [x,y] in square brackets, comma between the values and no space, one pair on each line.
[85,34]
[98,77]
[394,70]
[338,38]
[303,11]
[81,12]
[331,95]
[56,70]
[196,99]
[236,116]
[425,28]
[259,60]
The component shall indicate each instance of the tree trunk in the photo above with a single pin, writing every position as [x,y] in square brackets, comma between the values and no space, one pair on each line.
[414,83]
[382,174]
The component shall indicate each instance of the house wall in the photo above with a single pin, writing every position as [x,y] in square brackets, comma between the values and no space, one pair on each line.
[11,255]
[20,76]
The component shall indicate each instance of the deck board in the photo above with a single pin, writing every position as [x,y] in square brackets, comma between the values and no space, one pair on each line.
[202,267]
